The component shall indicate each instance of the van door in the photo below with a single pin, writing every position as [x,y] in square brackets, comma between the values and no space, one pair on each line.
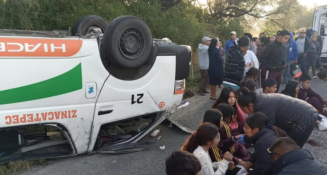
[123,99]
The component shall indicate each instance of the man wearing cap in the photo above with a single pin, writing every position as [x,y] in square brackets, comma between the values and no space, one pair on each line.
[204,64]
[303,45]
[231,41]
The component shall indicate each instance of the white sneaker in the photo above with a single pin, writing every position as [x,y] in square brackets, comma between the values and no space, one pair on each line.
[322,116]
[323,125]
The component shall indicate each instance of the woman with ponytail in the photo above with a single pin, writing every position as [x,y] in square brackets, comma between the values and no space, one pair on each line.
[295,116]
[200,142]
[227,141]
[262,135]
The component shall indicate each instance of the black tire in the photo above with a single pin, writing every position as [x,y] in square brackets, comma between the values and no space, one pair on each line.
[127,42]
[84,24]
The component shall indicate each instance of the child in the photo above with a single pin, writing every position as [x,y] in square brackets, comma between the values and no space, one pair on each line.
[181,163]
[269,86]
[227,141]
[200,142]
[228,117]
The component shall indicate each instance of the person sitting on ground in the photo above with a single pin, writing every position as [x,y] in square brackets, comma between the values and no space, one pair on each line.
[262,135]
[228,96]
[182,163]
[289,159]
[292,89]
[269,86]
[310,96]
[252,86]
[253,74]
[287,113]
[200,142]
[227,141]
[322,75]
[235,63]
[229,116]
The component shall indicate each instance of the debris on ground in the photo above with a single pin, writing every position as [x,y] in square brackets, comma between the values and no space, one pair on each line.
[155,132]
[159,138]
[183,104]
[163,147]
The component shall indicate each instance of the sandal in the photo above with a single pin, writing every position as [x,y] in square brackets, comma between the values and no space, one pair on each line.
[213,98]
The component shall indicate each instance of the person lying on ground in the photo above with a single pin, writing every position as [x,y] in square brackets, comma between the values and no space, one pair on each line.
[228,96]
[200,142]
[227,141]
[269,86]
[292,89]
[288,159]
[260,133]
[295,116]
[182,163]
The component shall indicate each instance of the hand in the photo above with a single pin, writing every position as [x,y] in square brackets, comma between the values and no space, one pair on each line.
[325,109]
[241,162]
[252,64]
[228,156]
[242,171]
[305,55]
[231,165]
[294,62]
[238,136]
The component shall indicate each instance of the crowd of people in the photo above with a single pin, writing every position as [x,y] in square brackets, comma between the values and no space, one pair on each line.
[250,112]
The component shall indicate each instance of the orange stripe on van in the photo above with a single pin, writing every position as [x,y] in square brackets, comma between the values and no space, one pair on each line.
[179,92]
[36,47]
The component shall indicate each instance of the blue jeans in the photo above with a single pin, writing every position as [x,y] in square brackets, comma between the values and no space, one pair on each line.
[287,73]
[303,64]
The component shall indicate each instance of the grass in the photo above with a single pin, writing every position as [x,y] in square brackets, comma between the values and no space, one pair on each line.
[19,166]
[194,80]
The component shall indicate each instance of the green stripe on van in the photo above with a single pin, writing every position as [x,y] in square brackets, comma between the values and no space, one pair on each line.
[65,83]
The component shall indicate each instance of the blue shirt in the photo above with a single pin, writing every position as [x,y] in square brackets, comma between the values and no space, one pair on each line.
[228,44]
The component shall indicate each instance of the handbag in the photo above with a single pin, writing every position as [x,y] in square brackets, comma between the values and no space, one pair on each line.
[295,71]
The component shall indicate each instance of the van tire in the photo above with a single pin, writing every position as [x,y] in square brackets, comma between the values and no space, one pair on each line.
[83,25]
[127,42]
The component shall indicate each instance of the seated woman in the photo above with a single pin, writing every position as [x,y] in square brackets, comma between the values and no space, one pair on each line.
[228,113]
[200,142]
[262,135]
[228,96]
[227,141]
[292,89]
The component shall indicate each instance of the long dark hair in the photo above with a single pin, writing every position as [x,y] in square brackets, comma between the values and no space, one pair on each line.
[260,120]
[227,110]
[206,132]
[224,96]
[290,88]
[246,97]
[264,40]
[213,45]
[213,116]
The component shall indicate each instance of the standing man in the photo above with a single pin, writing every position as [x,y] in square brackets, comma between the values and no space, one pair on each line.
[291,57]
[231,41]
[303,45]
[204,64]
[251,46]
[272,58]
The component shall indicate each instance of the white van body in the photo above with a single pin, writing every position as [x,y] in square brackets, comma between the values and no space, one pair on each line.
[62,82]
[320,25]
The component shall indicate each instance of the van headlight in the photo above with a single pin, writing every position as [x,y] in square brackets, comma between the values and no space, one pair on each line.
[179,86]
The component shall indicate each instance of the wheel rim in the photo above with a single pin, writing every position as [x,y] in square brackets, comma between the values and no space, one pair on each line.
[89,30]
[131,43]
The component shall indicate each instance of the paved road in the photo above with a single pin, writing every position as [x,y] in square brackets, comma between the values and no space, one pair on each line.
[152,161]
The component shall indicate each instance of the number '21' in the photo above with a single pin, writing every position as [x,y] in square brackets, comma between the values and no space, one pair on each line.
[138,99]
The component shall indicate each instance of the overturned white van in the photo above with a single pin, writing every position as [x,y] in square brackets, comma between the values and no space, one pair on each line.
[102,88]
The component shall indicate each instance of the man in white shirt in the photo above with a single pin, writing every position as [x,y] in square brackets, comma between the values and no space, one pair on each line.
[204,64]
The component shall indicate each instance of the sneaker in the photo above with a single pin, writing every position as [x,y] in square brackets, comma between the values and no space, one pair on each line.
[206,92]
[323,125]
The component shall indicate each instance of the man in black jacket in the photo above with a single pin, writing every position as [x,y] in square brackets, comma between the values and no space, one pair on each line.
[303,45]
[272,58]
[289,159]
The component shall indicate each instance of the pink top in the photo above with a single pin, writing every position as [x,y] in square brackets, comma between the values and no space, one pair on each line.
[240,117]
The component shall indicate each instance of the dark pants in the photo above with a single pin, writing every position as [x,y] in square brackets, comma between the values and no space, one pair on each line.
[315,102]
[303,64]
[276,75]
[318,64]
[311,62]
[301,137]
[204,80]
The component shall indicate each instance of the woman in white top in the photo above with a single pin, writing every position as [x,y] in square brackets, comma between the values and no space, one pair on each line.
[250,59]
[199,143]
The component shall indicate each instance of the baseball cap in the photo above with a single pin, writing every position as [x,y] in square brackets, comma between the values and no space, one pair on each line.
[204,39]
[233,33]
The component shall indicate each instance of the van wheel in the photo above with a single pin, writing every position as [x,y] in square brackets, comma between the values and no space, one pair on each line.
[85,24]
[127,42]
